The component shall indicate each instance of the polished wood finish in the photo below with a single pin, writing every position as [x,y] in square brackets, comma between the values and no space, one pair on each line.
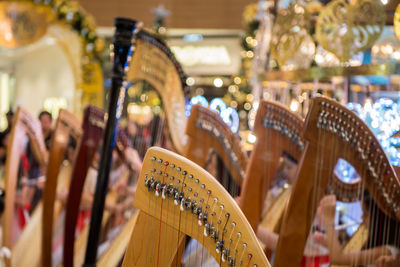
[207,132]
[165,219]
[332,132]
[24,125]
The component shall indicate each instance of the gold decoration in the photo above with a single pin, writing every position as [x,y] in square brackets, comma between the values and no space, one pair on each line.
[249,13]
[21,24]
[290,29]
[314,7]
[396,22]
[92,84]
[326,73]
[346,29]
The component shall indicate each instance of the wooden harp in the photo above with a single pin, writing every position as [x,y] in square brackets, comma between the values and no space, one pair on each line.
[332,132]
[278,130]
[24,125]
[155,63]
[93,125]
[67,126]
[207,132]
[176,198]
[80,243]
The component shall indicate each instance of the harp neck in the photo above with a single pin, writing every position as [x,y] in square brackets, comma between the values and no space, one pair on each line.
[206,132]
[154,63]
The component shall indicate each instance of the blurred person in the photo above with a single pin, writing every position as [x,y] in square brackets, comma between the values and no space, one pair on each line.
[4,137]
[379,250]
[46,121]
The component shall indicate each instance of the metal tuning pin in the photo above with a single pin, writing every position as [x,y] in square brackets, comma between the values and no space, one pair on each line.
[158,187]
[176,197]
[199,219]
[182,207]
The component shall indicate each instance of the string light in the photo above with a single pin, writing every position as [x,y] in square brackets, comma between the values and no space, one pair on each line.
[228,114]
[251,138]
[218,82]
[383,118]
[294,105]
[190,81]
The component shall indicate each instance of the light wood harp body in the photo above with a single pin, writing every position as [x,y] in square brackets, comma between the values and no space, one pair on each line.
[332,132]
[176,198]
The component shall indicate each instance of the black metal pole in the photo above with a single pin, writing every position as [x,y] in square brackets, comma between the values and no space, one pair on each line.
[124,29]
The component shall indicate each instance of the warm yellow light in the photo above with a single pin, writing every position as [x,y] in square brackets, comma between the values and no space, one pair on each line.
[251,138]
[250,54]
[218,82]
[294,105]
[237,80]
[249,97]
[232,88]
[190,81]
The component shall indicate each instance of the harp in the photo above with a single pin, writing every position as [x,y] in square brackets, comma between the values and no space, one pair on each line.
[24,125]
[176,198]
[93,128]
[277,130]
[33,232]
[67,126]
[121,57]
[207,132]
[93,125]
[154,63]
[80,243]
[332,132]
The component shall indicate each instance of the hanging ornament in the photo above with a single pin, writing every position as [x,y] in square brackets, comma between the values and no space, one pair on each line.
[396,22]
[347,28]
[21,24]
[291,27]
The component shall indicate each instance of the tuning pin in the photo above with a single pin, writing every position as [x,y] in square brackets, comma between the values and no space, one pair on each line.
[199,221]
[217,249]
[176,199]
[163,192]
[158,189]
[182,208]
[207,228]
[225,254]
